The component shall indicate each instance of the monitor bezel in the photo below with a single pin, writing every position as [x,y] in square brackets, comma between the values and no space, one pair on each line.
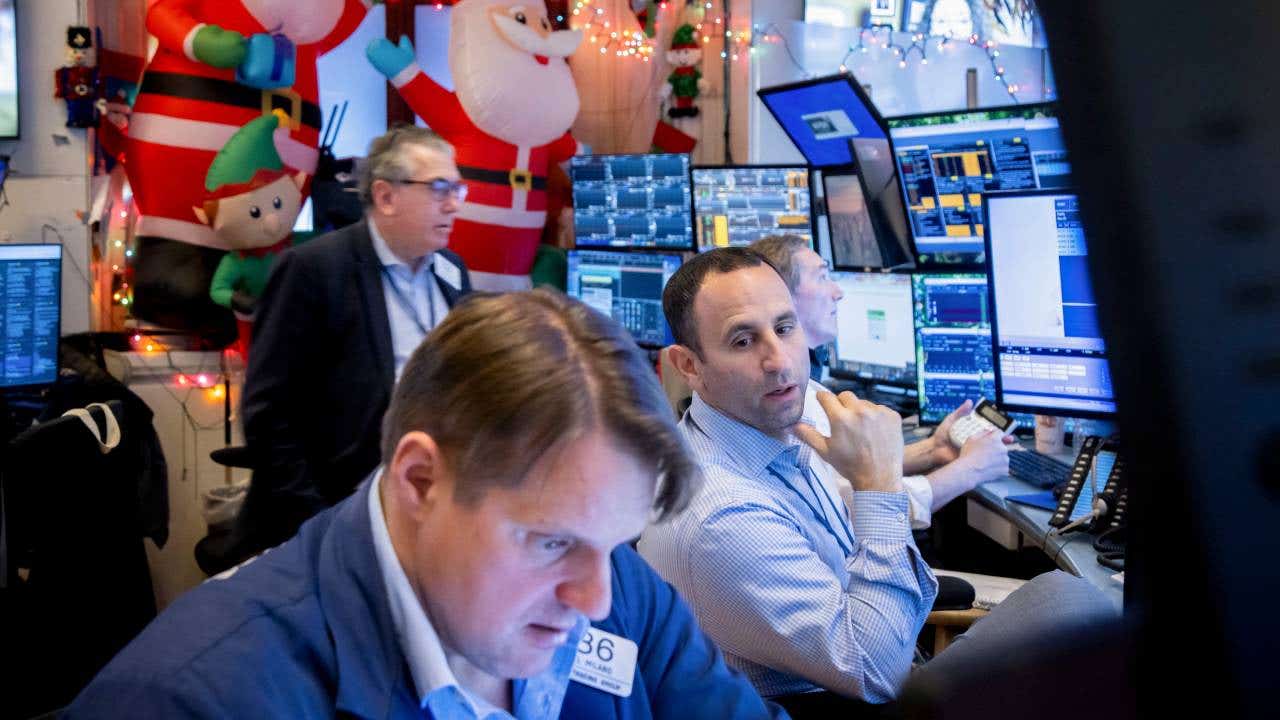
[876,226]
[858,90]
[691,247]
[833,358]
[932,264]
[29,387]
[678,256]
[994,310]
[693,203]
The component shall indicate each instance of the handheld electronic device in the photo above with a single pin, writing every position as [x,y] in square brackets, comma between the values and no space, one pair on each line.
[984,418]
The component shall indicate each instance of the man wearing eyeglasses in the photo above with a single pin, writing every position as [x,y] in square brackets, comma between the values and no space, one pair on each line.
[338,319]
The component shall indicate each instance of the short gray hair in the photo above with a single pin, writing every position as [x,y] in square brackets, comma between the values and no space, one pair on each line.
[781,252]
[388,157]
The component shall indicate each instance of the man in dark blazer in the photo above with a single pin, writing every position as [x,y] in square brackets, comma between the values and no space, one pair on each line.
[336,323]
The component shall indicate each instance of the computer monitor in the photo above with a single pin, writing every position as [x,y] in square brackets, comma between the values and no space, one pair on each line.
[825,116]
[1049,354]
[30,322]
[858,240]
[627,287]
[631,201]
[953,342]
[739,204]
[873,329]
[947,161]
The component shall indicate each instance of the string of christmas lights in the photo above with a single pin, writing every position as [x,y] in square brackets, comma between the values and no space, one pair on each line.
[606,35]
[869,37]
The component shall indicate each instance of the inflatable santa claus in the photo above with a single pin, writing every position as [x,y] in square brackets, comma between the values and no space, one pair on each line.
[508,120]
[218,65]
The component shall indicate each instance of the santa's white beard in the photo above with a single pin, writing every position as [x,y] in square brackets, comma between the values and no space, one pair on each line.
[302,22]
[505,91]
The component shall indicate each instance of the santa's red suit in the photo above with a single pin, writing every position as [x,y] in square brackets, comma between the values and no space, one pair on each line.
[186,110]
[508,120]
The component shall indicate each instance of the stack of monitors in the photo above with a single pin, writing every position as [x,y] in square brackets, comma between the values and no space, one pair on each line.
[631,201]
[1050,357]
[30,317]
[874,338]
[627,287]
[947,161]
[737,205]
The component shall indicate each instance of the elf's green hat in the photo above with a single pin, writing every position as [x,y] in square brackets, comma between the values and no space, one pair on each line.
[683,38]
[250,151]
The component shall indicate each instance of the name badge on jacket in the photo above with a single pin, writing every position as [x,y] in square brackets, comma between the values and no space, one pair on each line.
[606,662]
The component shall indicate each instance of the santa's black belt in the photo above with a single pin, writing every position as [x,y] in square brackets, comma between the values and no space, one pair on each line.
[228,92]
[515,178]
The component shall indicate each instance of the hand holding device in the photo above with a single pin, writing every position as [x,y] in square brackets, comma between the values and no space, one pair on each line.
[986,417]
[865,444]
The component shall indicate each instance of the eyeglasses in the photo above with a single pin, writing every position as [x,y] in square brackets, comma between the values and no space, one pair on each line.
[440,188]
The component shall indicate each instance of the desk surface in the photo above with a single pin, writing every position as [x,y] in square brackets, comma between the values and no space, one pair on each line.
[1072,552]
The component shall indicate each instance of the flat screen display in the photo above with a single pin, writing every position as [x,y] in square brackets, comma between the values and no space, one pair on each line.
[631,201]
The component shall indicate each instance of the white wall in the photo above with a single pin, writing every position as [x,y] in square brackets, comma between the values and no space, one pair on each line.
[49,169]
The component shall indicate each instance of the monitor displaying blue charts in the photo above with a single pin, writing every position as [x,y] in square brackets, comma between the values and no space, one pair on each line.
[953,342]
[627,287]
[874,340]
[824,116]
[1050,357]
[30,319]
[631,201]
[947,161]
[739,204]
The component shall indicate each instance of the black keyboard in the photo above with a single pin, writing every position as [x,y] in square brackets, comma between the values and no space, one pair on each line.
[1042,471]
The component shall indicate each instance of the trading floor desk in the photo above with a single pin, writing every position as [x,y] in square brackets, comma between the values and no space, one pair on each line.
[1072,552]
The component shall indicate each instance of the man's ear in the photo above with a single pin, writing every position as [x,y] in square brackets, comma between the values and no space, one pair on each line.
[380,191]
[200,215]
[686,362]
[299,179]
[416,475]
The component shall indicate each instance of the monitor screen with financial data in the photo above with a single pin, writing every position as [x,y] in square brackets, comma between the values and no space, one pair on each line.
[626,286]
[737,205]
[31,316]
[1050,357]
[947,161]
[953,342]
[874,338]
[631,201]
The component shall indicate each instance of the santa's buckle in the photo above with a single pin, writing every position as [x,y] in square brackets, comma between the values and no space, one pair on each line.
[520,179]
[276,99]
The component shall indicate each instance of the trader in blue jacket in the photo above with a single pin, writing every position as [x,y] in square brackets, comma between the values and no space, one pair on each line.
[482,572]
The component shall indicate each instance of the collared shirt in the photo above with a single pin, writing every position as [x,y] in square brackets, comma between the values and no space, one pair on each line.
[797,591]
[536,698]
[415,303]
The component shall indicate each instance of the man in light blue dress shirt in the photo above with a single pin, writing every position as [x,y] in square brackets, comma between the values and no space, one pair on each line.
[799,592]
[803,592]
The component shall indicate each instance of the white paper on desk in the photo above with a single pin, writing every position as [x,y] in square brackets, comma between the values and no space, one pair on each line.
[988,590]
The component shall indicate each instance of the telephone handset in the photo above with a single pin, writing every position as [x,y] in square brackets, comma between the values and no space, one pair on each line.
[1095,490]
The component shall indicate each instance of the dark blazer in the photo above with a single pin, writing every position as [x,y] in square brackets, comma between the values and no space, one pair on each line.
[305,631]
[320,375]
